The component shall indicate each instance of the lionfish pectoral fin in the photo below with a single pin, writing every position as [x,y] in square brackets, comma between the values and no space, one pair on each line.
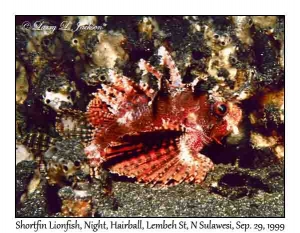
[190,167]
[203,165]
[127,149]
[164,166]
[144,163]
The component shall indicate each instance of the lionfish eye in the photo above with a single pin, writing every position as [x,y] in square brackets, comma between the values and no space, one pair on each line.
[220,109]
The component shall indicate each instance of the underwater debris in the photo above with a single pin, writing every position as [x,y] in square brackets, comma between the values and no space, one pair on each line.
[75,203]
[96,76]
[236,183]
[24,173]
[66,163]
[34,206]
[23,153]
[270,110]
[108,50]
[21,83]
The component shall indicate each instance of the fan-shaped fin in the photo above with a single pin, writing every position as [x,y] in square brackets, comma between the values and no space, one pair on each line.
[167,164]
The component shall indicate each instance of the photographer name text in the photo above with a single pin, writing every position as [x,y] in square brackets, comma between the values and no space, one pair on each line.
[64,26]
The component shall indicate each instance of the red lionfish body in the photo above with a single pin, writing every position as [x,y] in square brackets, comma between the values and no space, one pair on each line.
[157,136]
